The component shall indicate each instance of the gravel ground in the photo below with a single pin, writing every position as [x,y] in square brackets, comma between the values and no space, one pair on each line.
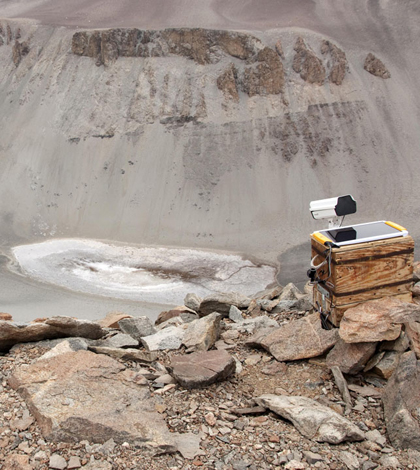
[229,440]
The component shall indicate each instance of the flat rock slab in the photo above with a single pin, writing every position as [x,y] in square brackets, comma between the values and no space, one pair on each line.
[401,400]
[221,303]
[203,368]
[309,339]
[378,320]
[311,419]
[51,328]
[81,395]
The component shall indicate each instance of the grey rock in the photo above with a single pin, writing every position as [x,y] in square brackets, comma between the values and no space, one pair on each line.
[342,386]
[389,462]
[311,419]
[65,347]
[119,340]
[376,436]
[203,368]
[309,339]
[312,457]
[290,292]
[387,365]
[57,462]
[97,465]
[192,301]
[235,314]
[188,445]
[401,344]
[137,327]
[302,305]
[127,354]
[350,460]
[221,303]
[74,462]
[350,357]
[68,394]
[202,334]
[269,293]
[401,401]
[168,338]
[250,325]
[12,333]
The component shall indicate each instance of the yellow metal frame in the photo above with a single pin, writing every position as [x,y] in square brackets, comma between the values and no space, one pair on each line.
[320,238]
[396,226]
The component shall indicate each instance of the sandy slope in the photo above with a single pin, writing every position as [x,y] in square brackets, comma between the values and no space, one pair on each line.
[100,152]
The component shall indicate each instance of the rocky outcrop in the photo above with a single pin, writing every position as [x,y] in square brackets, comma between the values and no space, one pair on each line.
[307,64]
[266,77]
[55,327]
[376,67]
[338,66]
[227,83]
[68,394]
[201,45]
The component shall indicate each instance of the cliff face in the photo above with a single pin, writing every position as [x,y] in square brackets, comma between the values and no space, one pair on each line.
[196,137]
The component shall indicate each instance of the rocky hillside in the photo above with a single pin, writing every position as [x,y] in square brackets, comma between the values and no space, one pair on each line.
[199,137]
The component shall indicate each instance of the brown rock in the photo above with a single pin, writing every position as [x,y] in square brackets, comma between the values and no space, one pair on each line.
[387,365]
[221,303]
[401,400]
[279,49]
[307,64]
[309,339]
[19,50]
[376,67]
[6,316]
[127,354]
[202,334]
[68,394]
[201,369]
[339,62]
[112,319]
[350,358]
[227,83]
[377,320]
[266,77]
[17,462]
[412,330]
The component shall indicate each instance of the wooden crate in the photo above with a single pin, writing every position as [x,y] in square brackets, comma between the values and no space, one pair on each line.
[363,272]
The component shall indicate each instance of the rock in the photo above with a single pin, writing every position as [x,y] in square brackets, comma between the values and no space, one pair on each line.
[279,49]
[17,462]
[97,465]
[389,462]
[401,401]
[23,423]
[120,340]
[365,391]
[401,344]
[412,330]
[77,344]
[55,327]
[74,462]
[188,445]
[251,325]
[125,354]
[192,301]
[309,339]
[268,294]
[387,365]
[342,386]
[416,289]
[68,394]
[221,303]
[377,320]
[184,313]
[112,319]
[290,292]
[266,77]
[227,83]
[203,368]
[311,419]
[137,327]
[202,334]
[376,67]
[349,460]
[307,64]
[5,316]
[57,462]
[303,304]
[311,457]
[339,62]
[268,305]
[235,314]
[19,50]
[350,357]
[168,338]
[376,436]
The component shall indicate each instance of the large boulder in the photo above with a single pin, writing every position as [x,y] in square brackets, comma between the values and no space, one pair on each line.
[201,334]
[51,328]
[311,419]
[221,303]
[203,368]
[82,395]
[401,400]
[377,320]
[309,339]
[350,357]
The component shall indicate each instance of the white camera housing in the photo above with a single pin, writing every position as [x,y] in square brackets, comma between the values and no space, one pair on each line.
[334,209]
